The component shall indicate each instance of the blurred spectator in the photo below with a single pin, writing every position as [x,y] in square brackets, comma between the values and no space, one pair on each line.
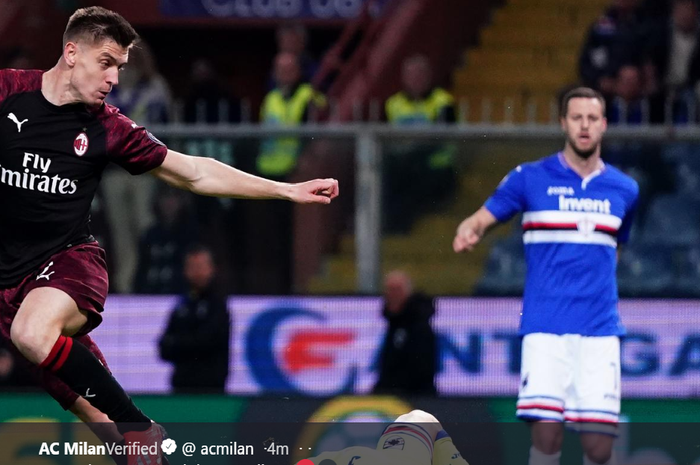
[417,175]
[629,104]
[268,256]
[292,38]
[409,354]
[673,62]
[612,41]
[162,247]
[197,337]
[144,96]
[419,101]
[208,100]
[19,58]
[291,103]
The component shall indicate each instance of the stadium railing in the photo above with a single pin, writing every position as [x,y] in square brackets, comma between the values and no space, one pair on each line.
[628,146]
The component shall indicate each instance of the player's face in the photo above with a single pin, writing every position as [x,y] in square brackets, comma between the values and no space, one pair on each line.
[96,69]
[584,125]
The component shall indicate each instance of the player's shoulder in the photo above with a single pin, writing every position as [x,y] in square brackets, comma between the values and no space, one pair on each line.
[110,116]
[107,111]
[537,167]
[19,80]
[622,180]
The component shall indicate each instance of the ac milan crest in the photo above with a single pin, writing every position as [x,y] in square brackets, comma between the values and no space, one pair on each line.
[80,144]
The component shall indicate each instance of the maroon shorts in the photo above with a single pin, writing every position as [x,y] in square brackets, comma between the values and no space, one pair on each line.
[81,273]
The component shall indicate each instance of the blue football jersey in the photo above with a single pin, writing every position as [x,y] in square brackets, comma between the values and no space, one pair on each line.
[571,229]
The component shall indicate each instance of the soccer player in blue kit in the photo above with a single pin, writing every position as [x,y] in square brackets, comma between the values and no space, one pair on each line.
[576,212]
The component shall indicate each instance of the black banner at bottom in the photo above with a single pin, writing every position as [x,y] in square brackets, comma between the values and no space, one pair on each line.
[360,442]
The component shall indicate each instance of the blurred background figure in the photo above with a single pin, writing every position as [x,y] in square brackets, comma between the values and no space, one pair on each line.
[11,374]
[144,96]
[613,40]
[673,60]
[19,58]
[292,102]
[197,337]
[293,38]
[409,354]
[420,101]
[162,247]
[629,103]
[418,176]
[208,99]
[268,256]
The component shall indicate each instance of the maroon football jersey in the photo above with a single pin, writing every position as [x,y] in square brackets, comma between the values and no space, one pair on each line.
[51,161]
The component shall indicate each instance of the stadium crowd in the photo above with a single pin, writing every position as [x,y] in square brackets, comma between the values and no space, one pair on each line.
[643,55]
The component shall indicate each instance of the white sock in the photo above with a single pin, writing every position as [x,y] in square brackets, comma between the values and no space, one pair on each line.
[538,457]
[611,460]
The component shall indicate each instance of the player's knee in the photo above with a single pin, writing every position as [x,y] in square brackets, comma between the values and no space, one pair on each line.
[597,447]
[21,336]
[417,416]
[31,341]
[547,437]
[424,419]
[598,456]
[598,453]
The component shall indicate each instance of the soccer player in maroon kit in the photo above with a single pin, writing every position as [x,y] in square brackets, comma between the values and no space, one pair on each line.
[56,137]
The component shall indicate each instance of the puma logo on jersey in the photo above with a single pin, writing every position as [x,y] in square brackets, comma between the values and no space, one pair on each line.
[19,124]
[44,273]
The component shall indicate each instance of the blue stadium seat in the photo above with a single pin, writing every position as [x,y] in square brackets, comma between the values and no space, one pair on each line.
[505,268]
[672,220]
[645,271]
[687,281]
[688,180]
[682,151]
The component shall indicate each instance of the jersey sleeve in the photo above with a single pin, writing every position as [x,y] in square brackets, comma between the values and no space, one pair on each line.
[509,197]
[623,233]
[131,146]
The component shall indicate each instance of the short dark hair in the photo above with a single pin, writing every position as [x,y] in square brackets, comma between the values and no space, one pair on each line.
[580,92]
[96,24]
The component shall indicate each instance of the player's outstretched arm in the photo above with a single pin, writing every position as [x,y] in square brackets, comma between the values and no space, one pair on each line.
[207,176]
[471,230]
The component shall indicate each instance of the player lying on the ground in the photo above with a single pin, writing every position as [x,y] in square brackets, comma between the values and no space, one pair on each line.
[415,438]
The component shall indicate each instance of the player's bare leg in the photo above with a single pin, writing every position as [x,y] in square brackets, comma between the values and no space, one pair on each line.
[45,314]
[547,438]
[100,424]
[597,448]
[42,330]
